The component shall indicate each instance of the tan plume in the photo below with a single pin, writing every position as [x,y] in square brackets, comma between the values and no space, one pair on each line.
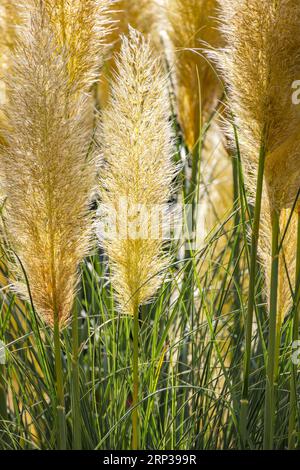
[259,63]
[141,15]
[137,148]
[82,29]
[46,170]
[192,28]
[9,20]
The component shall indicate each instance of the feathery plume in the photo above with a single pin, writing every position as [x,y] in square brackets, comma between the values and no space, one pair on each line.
[192,27]
[9,19]
[81,29]
[287,258]
[259,63]
[46,172]
[137,149]
[143,16]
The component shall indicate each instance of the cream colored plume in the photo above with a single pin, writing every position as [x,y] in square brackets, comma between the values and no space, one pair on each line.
[260,62]
[192,28]
[46,170]
[141,15]
[9,20]
[82,29]
[137,148]
[287,257]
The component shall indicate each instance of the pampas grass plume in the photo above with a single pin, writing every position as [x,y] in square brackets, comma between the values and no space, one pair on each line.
[46,172]
[141,15]
[81,29]
[259,63]
[192,28]
[137,149]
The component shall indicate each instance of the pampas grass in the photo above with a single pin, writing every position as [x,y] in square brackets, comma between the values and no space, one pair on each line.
[47,167]
[126,14]
[260,62]
[137,342]
[9,19]
[81,30]
[137,151]
[259,83]
[192,28]
[192,31]
[45,174]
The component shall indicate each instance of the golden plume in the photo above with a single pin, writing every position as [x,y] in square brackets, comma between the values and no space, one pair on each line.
[216,193]
[129,13]
[81,29]
[137,148]
[141,15]
[46,170]
[192,27]
[9,19]
[259,63]
[287,257]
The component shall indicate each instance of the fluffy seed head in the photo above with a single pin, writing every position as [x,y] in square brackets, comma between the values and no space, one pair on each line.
[192,28]
[81,29]
[9,19]
[287,258]
[137,147]
[46,172]
[141,15]
[260,63]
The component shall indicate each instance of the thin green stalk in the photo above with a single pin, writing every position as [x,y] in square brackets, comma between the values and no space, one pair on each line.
[236,250]
[60,406]
[251,296]
[3,396]
[135,431]
[293,425]
[271,358]
[76,385]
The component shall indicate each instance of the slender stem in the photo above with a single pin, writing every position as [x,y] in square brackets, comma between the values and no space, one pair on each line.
[60,406]
[193,200]
[271,358]
[3,397]
[251,296]
[236,251]
[76,385]
[135,431]
[293,380]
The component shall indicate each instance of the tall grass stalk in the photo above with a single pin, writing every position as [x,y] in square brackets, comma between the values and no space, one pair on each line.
[269,419]
[293,407]
[135,368]
[60,405]
[76,383]
[251,294]
[3,395]
[236,248]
